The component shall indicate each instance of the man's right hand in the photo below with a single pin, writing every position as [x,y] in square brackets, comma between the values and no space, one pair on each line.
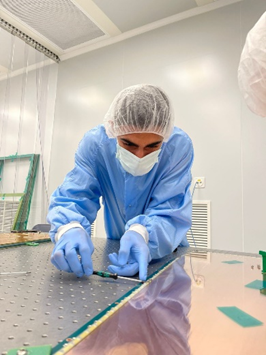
[65,256]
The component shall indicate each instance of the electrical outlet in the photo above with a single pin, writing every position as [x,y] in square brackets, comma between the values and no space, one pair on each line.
[199,281]
[200,182]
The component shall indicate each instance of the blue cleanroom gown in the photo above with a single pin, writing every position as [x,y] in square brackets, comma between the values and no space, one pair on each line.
[159,200]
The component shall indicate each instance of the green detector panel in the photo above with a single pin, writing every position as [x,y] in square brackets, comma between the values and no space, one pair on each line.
[263,254]
[31,350]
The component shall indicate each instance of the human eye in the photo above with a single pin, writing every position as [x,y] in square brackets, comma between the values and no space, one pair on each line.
[156,145]
[129,144]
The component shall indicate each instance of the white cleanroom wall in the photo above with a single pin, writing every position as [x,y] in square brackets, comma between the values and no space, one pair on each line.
[195,61]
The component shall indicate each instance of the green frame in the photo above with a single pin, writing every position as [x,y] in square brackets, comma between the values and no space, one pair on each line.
[22,215]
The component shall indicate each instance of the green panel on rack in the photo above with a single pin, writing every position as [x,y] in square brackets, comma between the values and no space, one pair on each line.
[21,218]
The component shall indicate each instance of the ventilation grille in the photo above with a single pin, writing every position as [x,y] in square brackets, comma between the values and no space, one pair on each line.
[199,234]
[8,210]
[60,21]
[93,229]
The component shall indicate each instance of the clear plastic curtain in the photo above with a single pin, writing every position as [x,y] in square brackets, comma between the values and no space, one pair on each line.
[27,98]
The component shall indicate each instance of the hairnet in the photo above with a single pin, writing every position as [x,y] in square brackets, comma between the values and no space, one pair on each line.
[252,68]
[139,109]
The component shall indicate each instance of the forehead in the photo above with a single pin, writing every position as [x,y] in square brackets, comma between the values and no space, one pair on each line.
[142,138]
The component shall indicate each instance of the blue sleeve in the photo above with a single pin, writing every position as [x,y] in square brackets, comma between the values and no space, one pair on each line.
[77,199]
[168,215]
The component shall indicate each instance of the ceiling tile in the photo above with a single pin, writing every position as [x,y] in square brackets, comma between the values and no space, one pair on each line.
[128,14]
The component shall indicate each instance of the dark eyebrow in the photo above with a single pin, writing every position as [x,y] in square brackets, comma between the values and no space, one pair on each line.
[128,141]
[135,145]
[153,144]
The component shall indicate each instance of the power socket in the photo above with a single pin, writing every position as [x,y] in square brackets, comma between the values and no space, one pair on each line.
[199,281]
[200,182]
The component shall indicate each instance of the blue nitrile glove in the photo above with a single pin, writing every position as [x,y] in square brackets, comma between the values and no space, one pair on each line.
[65,254]
[133,256]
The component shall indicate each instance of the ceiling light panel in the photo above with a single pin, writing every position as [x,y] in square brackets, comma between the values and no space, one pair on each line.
[60,21]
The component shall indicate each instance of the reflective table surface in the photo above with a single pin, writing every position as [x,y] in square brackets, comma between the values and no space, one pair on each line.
[221,279]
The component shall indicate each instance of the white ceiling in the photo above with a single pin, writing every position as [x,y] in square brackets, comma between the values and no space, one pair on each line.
[128,15]
[72,27]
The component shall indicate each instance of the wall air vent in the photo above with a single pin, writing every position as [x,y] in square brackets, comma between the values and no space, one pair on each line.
[199,234]
[93,229]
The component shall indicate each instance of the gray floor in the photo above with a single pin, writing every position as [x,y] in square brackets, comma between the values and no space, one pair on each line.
[47,305]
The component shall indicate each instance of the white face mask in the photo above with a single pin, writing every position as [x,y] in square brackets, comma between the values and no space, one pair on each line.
[134,165]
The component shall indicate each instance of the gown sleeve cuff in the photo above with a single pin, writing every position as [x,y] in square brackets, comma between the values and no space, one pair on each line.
[139,228]
[63,229]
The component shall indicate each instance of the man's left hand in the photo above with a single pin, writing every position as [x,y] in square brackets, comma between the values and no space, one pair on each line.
[133,256]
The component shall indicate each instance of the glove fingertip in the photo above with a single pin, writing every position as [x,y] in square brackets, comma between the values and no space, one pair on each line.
[112,255]
[122,258]
[112,269]
[113,258]
[143,277]
[54,263]
[88,271]
[143,271]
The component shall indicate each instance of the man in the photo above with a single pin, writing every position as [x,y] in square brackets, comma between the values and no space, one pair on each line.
[140,165]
